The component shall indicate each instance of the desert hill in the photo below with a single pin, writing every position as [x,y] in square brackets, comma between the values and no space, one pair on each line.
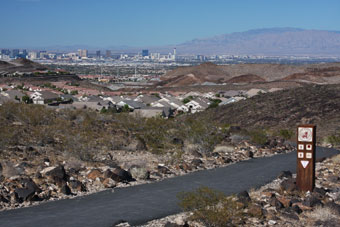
[317,75]
[315,104]
[249,73]
[247,78]
[21,65]
[4,63]
[185,76]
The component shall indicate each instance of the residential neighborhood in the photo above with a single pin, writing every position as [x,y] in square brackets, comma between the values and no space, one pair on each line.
[65,94]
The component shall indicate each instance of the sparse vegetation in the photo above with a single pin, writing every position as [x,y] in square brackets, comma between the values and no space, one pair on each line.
[258,136]
[212,207]
[214,103]
[74,92]
[83,133]
[310,104]
[286,134]
[26,99]
[334,139]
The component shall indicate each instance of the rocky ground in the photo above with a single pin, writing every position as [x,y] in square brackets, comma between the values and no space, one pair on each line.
[31,175]
[279,203]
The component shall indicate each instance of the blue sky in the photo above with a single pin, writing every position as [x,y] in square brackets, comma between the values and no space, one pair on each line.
[102,23]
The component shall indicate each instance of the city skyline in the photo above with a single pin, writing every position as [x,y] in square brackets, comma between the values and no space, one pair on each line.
[43,23]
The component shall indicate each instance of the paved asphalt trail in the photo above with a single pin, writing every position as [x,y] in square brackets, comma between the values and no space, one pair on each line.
[139,204]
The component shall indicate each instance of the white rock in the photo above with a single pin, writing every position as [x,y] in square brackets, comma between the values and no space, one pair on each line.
[179,220]
[272,222]
[48,169]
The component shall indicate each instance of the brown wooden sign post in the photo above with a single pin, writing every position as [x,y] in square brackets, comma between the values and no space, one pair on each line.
[306,139]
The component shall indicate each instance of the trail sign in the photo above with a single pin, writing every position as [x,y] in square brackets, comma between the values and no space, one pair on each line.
[306,140]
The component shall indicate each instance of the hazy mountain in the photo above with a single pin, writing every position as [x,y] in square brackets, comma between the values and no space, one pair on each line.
[271,41]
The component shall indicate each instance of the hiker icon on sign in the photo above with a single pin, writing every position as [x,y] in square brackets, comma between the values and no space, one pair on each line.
[305,134]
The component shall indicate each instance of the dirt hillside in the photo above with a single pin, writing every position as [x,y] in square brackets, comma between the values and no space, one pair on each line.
[249,73]
[315,104]
[21,65]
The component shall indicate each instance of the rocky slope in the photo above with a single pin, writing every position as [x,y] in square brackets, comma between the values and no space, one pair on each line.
[315,104]
[47,155]
[21,65]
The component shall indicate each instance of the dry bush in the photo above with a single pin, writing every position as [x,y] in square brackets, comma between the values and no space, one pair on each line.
[83,133]
[336,159]
[334,139]
[211,207]
[324,214]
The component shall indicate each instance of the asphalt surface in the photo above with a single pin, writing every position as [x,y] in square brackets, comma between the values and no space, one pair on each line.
[139,204]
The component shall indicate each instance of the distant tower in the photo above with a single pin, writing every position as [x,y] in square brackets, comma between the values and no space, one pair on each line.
[175,51]
[82,53]
[33,55]
[98,53]
[145,53]
[15,53]
[108,53]
[24,52]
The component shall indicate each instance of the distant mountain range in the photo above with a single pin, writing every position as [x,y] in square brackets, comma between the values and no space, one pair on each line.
[271,41]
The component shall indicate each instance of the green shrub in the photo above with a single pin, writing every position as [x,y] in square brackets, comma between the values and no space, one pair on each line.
[334,139]
[74,92]
[186,100]
[259,137]
[83,133]
[214,103]
[201,131]
[211,207]
[286,133]
[26,99]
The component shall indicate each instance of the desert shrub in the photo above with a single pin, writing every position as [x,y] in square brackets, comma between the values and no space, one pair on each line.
[211,207]
[336,159]
[286,134]
[155,132]
[201,131]
[26,99]
[325,215]
[258,136]
[74,92]
[334,139]
[84,133]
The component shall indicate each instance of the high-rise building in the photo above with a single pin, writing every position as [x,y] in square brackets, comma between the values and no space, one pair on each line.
[5,52]
[108,54]
[98,53]
[15,53]
[174,55]
[33,55]
[42,54]
[155,56]
[83,53]
[145,53]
